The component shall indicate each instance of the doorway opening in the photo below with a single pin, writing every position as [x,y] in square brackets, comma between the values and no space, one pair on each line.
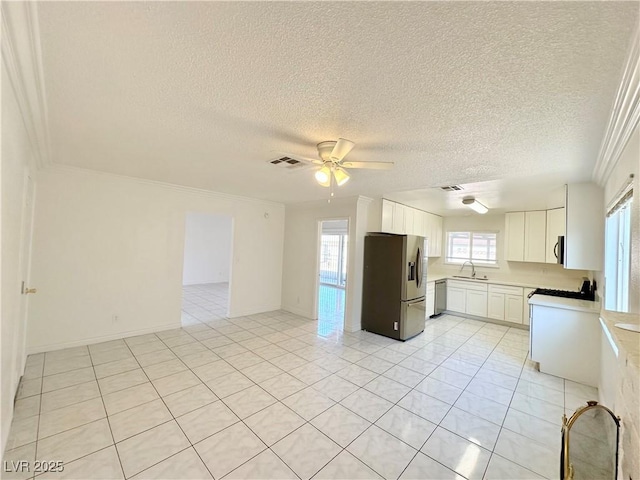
[206,273]
[332,274]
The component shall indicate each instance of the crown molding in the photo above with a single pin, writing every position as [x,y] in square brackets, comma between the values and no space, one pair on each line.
[625,115]
[114,177]
[22,59]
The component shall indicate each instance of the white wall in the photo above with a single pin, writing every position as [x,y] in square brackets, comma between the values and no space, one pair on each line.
[546,274]
[628,163]
[16,155]
[107,246]
[299,277]
[207,248]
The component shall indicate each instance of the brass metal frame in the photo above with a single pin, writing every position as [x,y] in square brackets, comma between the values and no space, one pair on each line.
[566,468]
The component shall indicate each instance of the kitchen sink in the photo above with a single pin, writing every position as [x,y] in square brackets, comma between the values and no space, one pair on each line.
[470,278]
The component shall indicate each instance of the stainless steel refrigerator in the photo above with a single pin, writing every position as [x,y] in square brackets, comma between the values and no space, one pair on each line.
[394,285]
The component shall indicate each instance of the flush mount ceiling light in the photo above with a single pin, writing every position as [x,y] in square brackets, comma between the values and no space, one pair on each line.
[473,204]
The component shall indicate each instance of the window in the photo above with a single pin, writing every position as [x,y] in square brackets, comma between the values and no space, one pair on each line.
[618,253]
[478,247]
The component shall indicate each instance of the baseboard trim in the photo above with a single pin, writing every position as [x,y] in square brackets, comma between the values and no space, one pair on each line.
[103,338]
[298,311]
[253,311]
[521,326]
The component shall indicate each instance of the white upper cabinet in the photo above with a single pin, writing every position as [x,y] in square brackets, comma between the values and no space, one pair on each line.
[409,227]
[584,238]
[535,238]
[435,235]
[526,236]
[400,219]
[419,222]
[514,239]
[556,224]
[387,216]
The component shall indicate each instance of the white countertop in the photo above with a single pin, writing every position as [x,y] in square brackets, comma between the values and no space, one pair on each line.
[565,303]
[512,282]
[627,342]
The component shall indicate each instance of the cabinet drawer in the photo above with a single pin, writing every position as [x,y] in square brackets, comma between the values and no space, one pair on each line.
[505,289]
[471,285]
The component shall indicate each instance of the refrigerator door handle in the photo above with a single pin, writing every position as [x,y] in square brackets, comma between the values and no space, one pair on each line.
[419,268]
[417,302]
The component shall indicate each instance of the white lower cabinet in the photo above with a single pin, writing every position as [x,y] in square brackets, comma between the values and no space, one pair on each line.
[566,343]
[495,307]
[513,308]
[477,303]
[526,309]
[430,299]
[505,303]
[467,297]
[456,298]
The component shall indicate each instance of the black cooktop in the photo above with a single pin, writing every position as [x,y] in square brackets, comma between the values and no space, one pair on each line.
[564,293]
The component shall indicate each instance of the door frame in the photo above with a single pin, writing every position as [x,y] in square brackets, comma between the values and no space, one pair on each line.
[225,215]
[316,293]
[26,246]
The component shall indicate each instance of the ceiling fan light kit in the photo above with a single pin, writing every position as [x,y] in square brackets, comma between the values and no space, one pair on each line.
[341,176]
[475,205]
[323,176]
[332,167]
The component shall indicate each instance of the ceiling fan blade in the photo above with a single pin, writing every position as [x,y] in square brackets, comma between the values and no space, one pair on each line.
[341,149]
[315,161]
[369,165]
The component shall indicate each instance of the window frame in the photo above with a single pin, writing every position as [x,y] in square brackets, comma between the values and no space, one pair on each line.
[477,262]
[617,256]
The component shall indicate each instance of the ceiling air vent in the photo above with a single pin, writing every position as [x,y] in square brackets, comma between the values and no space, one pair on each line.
[287,162]
[452,188]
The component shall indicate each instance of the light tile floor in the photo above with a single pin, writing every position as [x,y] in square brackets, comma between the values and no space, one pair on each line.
[204,302]
[330,309]
[267,396]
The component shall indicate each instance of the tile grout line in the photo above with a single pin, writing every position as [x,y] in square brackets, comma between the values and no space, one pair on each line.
[106,415]
[172,416]
[333,352]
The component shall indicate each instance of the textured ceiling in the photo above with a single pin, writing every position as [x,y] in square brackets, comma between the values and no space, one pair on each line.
[203,94]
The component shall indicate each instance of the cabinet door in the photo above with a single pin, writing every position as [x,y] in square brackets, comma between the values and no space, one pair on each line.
[409,221]
[513,308]
[495,306]
[476,303]
[584,238]
[437,236]
[418,223]
[514,233]
[434,228]
[387,216]
[556,225]
[535,236]
[456,299]
[398,218]
[429,233]
[430,301]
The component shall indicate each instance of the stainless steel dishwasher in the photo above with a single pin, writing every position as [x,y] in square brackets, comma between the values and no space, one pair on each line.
[441,297]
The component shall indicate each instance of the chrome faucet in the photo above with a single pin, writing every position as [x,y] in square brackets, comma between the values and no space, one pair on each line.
[473,268]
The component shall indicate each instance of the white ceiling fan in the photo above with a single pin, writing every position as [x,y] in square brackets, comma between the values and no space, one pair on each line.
[332,165]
